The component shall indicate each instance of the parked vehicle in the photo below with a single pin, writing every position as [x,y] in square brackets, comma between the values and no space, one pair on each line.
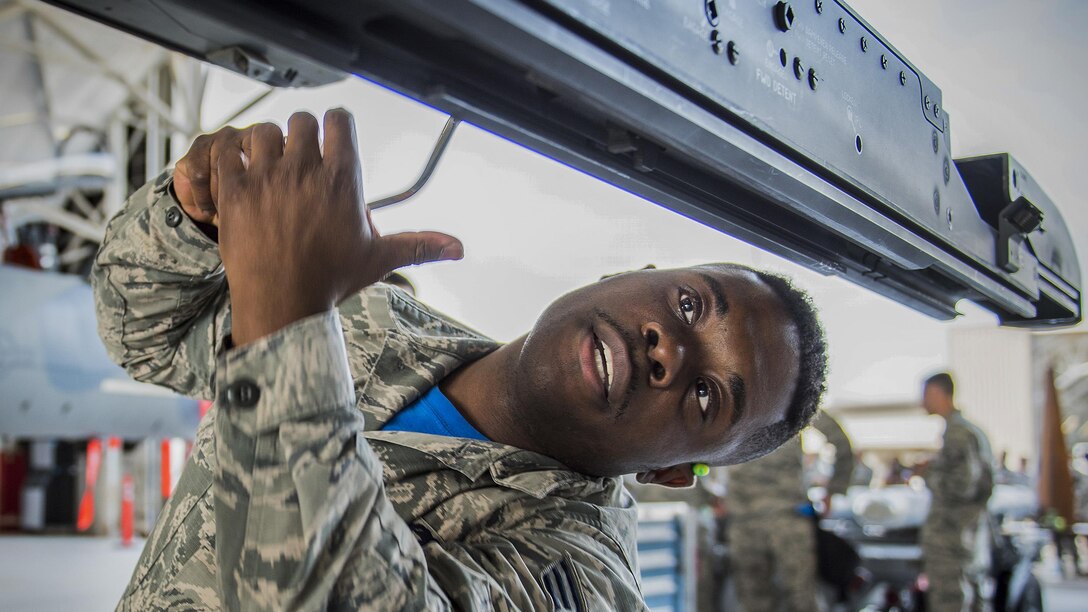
[884,525]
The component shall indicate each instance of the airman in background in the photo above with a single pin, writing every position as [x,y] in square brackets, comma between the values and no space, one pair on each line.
[961,481]
[771,531]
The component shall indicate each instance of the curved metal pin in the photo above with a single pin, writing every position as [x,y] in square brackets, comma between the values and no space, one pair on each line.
[436,155]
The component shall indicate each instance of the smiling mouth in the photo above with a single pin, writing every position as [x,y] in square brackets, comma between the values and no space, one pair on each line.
[605,369]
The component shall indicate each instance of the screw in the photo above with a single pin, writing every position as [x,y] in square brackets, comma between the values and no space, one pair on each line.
[947,171]
[936,141]
[842,25]
[937,203]
[784,16]
[716,42]
[798,68]
[949,214]
[813,79]
[883,61]
[927,102]
[819,6]
[936,111]
[710,9]
[902,78]
[732,52]
[864,44]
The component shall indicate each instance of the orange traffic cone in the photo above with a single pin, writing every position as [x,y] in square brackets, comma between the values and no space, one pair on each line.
[86,505]
[128,497]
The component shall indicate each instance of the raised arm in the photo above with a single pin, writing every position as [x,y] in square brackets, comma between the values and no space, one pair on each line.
[160,292]
[302,517]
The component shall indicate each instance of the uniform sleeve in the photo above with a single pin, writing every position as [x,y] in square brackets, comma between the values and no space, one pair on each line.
[302,517]
[160,293]
[958,474]
[844,453]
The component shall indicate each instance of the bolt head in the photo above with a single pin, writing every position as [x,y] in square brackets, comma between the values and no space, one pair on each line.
[733,52]
[813,79]
[710,9]
[798,68]
[784,16]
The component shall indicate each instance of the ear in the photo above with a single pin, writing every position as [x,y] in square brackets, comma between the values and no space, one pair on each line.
[676,477]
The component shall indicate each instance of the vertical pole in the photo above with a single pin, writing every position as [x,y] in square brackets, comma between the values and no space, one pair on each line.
[154,143]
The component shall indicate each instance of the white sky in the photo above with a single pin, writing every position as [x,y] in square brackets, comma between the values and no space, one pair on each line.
[533,228]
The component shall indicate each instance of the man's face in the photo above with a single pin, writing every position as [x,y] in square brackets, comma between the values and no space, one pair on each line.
[934,399]
[657,368]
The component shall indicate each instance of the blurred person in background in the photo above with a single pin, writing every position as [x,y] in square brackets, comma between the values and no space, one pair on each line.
[1022,475]
[1002,473]
[960,479]
[863,474]
[771,529]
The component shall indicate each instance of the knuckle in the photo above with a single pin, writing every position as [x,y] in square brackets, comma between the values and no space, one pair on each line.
[223,135]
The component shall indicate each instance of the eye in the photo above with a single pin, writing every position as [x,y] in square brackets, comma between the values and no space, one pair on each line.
[689,306]
[702,393]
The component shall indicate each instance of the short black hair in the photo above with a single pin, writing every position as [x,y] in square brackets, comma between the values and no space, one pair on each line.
[943,381]
[812,371]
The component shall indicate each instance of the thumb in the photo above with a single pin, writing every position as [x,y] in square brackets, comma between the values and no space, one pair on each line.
[414,248]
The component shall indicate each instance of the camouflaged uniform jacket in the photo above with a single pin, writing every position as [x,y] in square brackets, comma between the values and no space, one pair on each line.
[293,498]
[961,476]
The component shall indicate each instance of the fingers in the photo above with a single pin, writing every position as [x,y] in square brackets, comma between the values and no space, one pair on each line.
[414,248]
[341,145]
[192,180]
[230,169]
[267,143]
[226,141]
[302,141]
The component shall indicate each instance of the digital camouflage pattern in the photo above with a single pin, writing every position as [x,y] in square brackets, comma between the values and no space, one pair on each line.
[299,501]
[773,547]
[961,481]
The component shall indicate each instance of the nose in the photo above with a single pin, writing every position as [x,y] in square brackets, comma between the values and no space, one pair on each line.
[666,355]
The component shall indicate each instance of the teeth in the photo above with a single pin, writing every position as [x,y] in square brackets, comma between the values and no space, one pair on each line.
[610,371]
[603,356]
[600,366]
